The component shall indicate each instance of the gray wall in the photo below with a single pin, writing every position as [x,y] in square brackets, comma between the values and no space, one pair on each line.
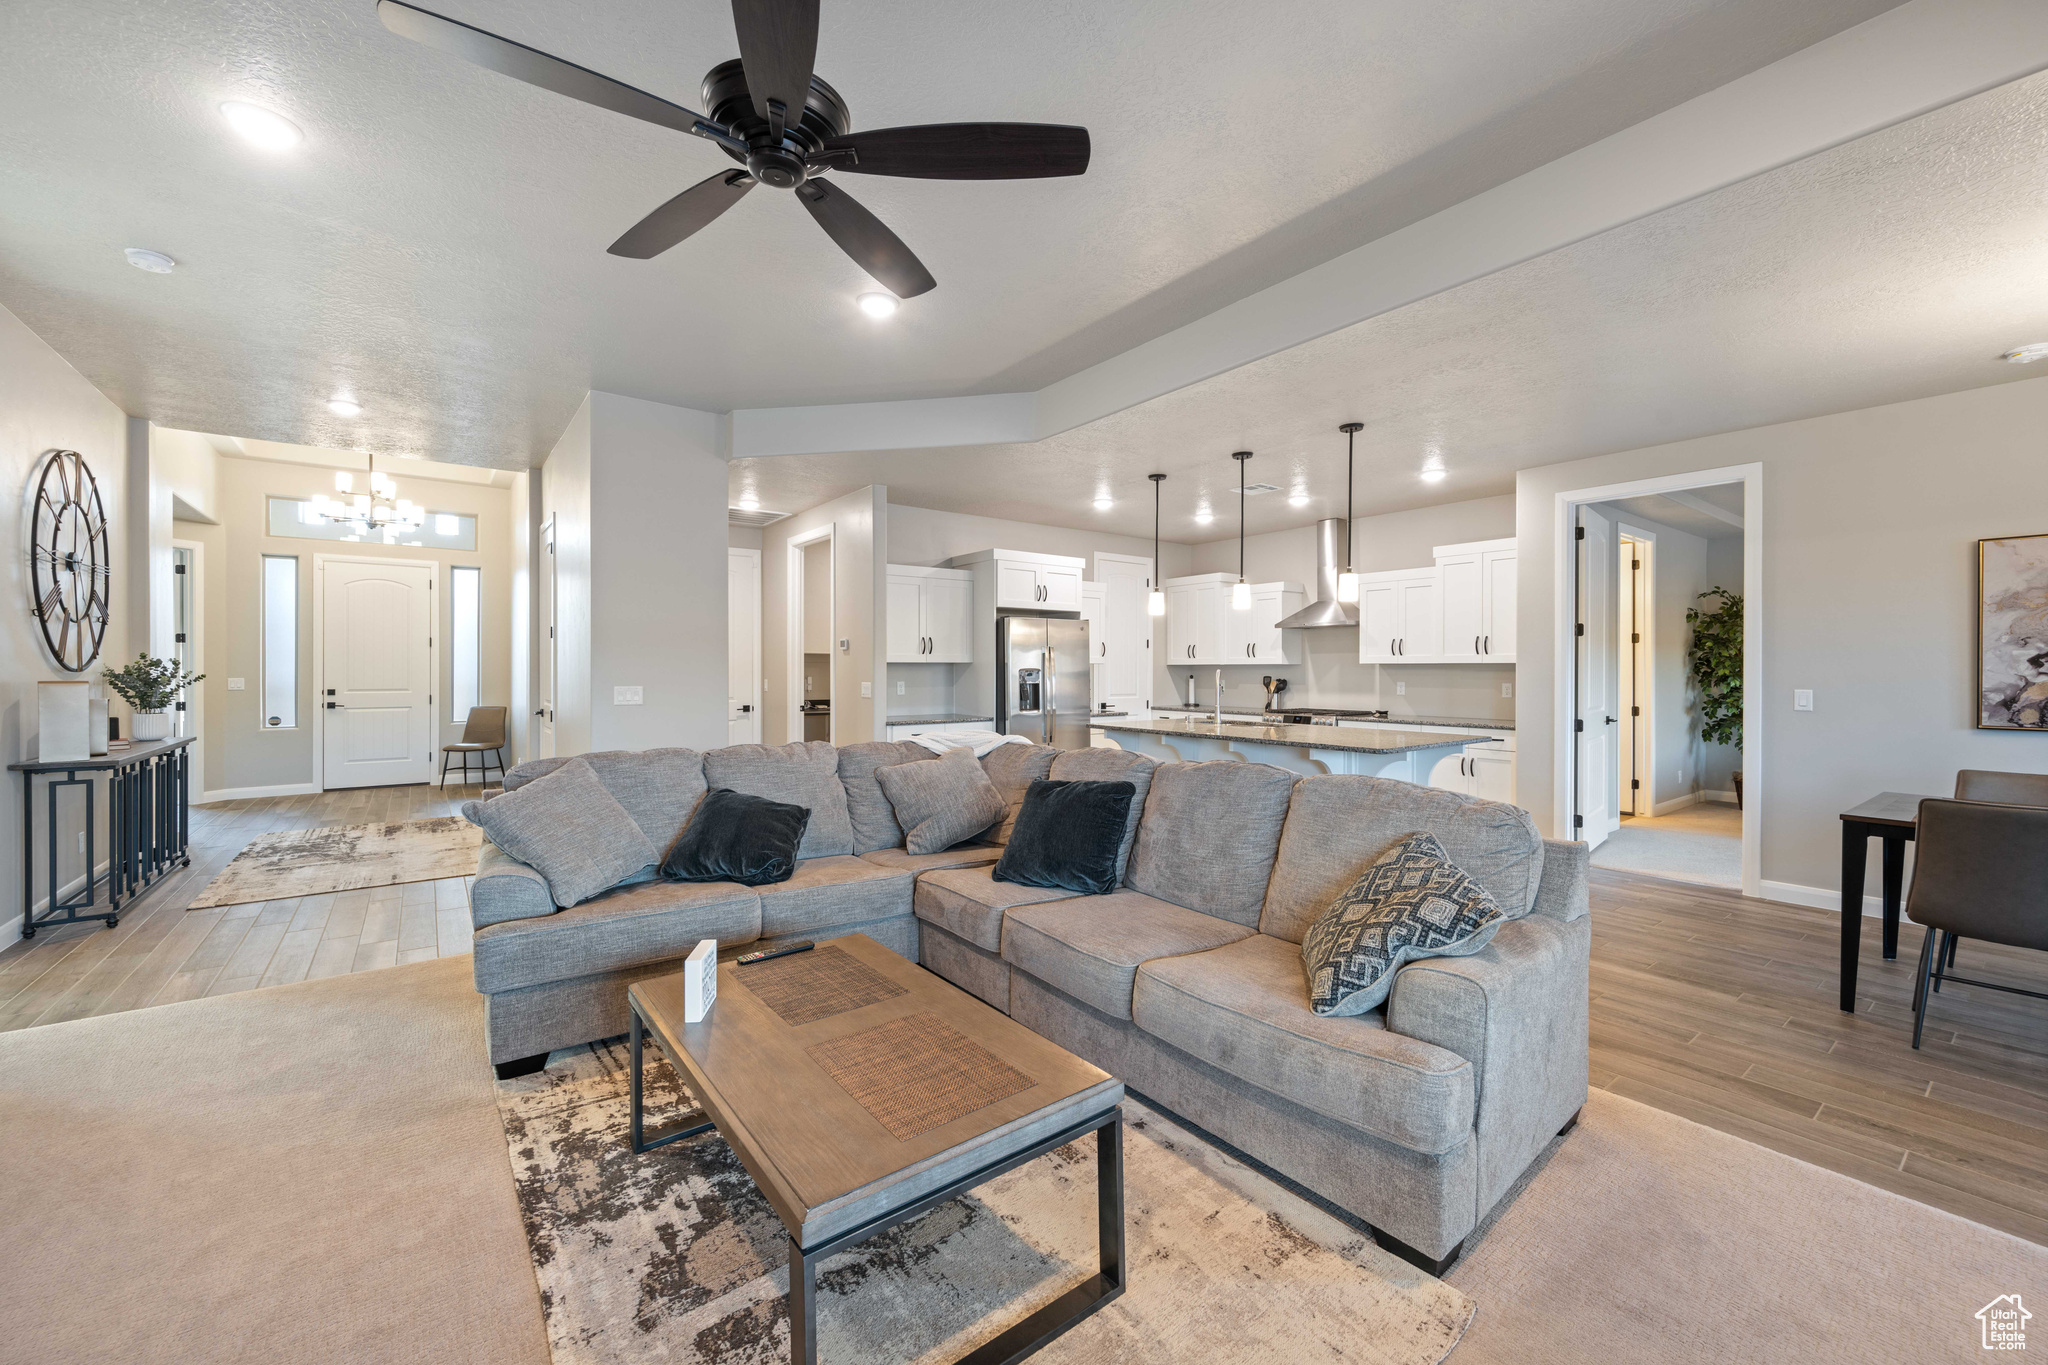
[1868,545]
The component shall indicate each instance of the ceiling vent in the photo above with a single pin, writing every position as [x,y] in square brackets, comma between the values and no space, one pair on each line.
[1254,489]
[756,516]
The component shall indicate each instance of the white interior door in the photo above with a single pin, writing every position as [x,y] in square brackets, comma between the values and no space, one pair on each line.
[544,708]
[743,646]
[1127,676]
[376,673]
[1596,682]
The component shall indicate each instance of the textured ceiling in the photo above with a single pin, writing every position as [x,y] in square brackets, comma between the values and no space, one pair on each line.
[1894,267]
[435,247]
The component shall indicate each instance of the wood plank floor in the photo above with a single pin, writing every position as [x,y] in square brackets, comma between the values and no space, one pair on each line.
[1703,1004]
[162,952]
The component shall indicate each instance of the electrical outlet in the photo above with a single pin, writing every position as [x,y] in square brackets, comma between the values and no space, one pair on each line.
[807,684]
[1802,699]
[81,841]
[626,696]
[899,689]
[1400,689]
[867,689]
[1507,689]
[234,684]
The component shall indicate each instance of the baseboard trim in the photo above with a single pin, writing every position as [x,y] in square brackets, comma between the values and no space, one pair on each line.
[250,793]
[1817,897]
[1727,796]
[1676,803]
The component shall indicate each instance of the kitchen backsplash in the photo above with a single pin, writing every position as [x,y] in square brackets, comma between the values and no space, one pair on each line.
[1329,675]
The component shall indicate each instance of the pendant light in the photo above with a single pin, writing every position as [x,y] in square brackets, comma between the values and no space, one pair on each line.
[1155,601]
[1241,594]
[1347,582]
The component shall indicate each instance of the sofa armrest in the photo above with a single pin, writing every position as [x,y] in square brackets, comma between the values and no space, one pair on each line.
[506,889]
[1517,1011]
[1561,895]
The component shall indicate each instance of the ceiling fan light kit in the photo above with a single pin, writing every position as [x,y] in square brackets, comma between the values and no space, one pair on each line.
[769,111]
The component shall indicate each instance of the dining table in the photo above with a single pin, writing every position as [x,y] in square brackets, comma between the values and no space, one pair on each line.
[1890,817]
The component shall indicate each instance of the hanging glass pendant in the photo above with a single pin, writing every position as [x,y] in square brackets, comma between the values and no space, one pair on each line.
[1241,595]
[1155,601]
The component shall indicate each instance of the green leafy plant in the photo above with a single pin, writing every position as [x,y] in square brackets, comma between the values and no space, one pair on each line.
[1714,660]
[149,683]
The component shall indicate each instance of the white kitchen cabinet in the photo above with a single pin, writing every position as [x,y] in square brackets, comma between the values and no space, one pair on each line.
[1254,636]
[1203,628]
[931,616]
[1400,616]
[1476,587]
[1026,581]
[1095,612]
[1497,581]
[906,731]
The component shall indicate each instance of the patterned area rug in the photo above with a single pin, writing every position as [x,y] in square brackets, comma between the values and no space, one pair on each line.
[674,1256]
[310,862]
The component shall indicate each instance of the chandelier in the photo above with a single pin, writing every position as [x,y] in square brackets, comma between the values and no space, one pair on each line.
[379,510]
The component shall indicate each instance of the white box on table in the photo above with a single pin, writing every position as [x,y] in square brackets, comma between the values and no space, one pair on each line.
[700,981]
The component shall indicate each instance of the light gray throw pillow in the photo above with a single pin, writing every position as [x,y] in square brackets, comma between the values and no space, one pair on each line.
[942,803]
[568,828]
[1413,902]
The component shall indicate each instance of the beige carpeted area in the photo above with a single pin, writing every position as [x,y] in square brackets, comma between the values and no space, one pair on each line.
[1701,844]
[309,862]
[305,1173]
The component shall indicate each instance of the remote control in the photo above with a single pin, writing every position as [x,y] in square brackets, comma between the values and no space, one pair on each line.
[749,959]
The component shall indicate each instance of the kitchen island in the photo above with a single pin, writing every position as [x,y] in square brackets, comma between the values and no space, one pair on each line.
[1383,751]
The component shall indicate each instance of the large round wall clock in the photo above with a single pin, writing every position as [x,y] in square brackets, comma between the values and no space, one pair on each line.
[70,569]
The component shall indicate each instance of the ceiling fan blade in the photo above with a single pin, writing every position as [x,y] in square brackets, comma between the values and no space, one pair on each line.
[694,208]
[535,67]
[778,50]
[963,151]
[862,236]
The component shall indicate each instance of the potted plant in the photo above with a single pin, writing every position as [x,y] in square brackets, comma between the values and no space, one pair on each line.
[150,686]
[1714,660]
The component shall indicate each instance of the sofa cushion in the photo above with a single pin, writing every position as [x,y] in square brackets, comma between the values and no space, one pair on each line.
[969,903]
[506,889]
[971,854]
[1111,765]
[942,803]
[645,923]
[1244,1010]
[1209,835]
[737,838]
[1090,947]
[567,827]
[867,807]
[1339,826]
[1013,768]
[805,773]
[1412,903]
[659,788]
[828,891]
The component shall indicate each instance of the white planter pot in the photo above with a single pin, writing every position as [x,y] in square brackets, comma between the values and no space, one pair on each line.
[149,724]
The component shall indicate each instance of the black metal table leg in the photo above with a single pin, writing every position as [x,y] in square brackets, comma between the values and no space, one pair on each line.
[1894,878]
[1855,850]
[635,1105]
[803,1306]
[28,855]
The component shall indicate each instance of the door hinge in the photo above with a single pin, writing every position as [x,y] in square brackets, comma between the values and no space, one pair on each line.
[1635,563]
[179,638]
[1635,710]
[1582,627]
[1635,784]
[1578,725]
[1581,535]
[177,568]
[1635,638]
[1578,822]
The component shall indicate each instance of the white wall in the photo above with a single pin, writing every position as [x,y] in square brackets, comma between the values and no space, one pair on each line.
[1869,528]
[522,527]
[859,522]
[637,493]
[46,405]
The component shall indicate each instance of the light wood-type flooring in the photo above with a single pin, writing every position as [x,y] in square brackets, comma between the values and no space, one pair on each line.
[1704,1004]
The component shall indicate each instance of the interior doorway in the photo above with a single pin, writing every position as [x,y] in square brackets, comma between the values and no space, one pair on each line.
[813,648]
[743,645]
[375,659]
[1637,699]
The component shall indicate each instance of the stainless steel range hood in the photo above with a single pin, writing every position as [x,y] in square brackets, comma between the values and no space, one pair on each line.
[1326,610]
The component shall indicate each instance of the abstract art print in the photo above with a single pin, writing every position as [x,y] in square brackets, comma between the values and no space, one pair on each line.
[2012,633]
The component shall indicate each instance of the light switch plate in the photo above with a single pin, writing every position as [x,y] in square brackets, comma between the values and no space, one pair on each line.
[899,688]
[867,689]
[1400,689]
[1802,699]
[1507,689]
[234,684]
[626,696]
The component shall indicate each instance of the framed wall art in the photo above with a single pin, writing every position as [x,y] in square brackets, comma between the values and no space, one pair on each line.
[2012,633]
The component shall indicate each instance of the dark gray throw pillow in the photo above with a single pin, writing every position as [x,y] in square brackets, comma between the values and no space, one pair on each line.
[568,828]
[1413,902]
[942,803]
[1068,835]
[738,838]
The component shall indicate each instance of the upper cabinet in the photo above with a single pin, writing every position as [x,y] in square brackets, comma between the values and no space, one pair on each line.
[1459,610]
[1046,582]
[1400,616]
[1203,628]
[931,616]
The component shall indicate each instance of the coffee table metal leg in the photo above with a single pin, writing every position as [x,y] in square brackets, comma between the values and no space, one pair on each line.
[1109,1201]
[635,1105]
[803,1307]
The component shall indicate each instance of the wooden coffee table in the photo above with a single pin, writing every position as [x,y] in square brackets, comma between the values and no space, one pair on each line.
[861,1091]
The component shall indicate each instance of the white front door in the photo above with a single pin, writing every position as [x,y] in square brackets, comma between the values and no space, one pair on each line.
[743,646]
[1596,683]
[377,673]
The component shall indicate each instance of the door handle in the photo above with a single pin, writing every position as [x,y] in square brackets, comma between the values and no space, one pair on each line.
[745,709]
[543,711]
[1612,721]
[336,706]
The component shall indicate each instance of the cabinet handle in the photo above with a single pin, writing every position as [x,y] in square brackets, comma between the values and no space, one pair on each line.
[1489,645]
[1475,644]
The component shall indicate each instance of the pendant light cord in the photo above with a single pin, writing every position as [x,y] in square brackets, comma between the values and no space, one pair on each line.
[1350,430]
[1241,457]
[1158,579]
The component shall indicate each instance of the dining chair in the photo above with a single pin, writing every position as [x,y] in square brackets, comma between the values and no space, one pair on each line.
[2007,789]
[1979,872]
[483,734]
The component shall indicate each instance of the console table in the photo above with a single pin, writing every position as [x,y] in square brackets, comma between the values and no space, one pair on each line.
[149,805]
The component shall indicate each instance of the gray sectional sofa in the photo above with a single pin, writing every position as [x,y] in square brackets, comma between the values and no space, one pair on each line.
[1186,982]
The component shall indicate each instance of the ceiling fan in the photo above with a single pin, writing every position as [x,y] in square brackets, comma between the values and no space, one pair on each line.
[771,113]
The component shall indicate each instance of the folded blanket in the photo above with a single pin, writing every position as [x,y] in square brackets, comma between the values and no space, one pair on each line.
[981,741]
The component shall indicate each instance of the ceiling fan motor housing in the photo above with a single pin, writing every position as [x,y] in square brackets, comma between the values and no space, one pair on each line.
[782,165]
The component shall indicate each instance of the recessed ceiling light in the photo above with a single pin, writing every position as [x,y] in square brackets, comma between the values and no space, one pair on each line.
[1297,499]
[878,305]
[272,132]
[1432,476]
[344,407]
[1203,516]
[748,503]
[2027,354]
[155,262]
[1103,502]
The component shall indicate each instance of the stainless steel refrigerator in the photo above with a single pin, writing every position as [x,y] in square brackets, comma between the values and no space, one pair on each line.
[1042,679]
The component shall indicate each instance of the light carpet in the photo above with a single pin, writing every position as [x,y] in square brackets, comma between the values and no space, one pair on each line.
[311,862]
[1701,844]
[673,1255]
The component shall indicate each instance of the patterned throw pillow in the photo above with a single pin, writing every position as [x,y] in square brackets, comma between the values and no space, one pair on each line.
[1411,903]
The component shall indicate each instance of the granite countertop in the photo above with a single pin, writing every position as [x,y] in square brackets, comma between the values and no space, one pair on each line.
[939,720]
[1465,722]
[1388,739]
[1108,715]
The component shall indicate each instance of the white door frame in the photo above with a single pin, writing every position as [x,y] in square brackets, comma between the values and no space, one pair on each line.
[795,611]
[1643,686]
[320,563]
[753,558]
[1564,647]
